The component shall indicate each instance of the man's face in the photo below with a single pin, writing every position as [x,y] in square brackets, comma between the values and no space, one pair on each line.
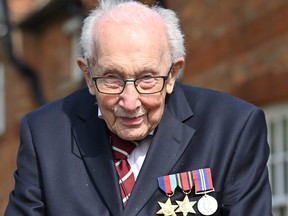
[132,53]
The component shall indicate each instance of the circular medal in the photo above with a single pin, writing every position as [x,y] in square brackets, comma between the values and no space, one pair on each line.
[207,205]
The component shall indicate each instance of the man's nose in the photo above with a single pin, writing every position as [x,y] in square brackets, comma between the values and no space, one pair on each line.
[129,98]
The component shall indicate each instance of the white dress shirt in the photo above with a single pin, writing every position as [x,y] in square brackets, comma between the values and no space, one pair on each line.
[137,156]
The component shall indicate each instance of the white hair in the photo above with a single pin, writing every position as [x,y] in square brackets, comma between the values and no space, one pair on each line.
[174,34]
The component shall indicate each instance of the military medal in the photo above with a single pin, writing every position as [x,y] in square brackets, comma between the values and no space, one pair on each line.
[167,209]
[207,205]
[184,181]
[167,184]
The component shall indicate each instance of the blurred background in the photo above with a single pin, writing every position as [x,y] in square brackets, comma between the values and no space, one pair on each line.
[239,47]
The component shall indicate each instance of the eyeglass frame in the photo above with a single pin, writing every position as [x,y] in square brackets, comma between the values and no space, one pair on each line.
[94,78]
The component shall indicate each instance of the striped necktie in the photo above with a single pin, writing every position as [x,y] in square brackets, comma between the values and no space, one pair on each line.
[121,150]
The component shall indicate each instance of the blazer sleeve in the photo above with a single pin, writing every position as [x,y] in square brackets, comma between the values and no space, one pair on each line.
[27,196]
[247,189]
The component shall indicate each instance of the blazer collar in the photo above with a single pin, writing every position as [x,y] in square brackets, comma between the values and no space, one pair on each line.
[178,105]
[168,144]
[93,141]
[94,145]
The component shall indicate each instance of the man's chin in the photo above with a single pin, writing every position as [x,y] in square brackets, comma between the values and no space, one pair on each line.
[132,134]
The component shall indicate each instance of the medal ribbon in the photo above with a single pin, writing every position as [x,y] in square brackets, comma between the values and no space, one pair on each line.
[184,181]
[168,183]
[202,180]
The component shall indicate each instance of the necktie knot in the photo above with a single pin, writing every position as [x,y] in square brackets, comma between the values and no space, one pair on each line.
[121,148]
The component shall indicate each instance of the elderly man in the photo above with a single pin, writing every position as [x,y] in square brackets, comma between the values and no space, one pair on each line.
[136,142]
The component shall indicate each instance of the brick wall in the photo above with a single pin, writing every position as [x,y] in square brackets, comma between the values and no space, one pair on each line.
[239,47]
[48,52]
[18,102]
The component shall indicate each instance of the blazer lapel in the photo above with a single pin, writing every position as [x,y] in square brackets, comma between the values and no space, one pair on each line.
[94,145]
[168,144]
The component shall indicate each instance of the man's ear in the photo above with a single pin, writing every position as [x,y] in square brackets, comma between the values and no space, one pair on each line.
[83,64]
[177,65]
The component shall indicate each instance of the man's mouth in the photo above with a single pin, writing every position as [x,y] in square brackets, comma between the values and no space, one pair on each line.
[132,121]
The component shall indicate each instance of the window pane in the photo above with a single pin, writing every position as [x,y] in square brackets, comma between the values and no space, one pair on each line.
[286,177]
[277,123]
[273,178]
[285,133]
[272,136]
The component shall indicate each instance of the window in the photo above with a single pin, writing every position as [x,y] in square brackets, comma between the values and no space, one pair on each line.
[2,100]
[76,72]
[72,27]
[277,122]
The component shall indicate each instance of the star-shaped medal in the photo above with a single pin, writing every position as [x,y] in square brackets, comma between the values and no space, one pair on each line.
[185,206]
[167,209]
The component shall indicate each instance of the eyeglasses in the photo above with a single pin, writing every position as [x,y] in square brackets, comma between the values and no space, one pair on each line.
[145,85]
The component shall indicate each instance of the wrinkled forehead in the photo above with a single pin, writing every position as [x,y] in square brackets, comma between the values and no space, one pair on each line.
[131,13]
[131,24]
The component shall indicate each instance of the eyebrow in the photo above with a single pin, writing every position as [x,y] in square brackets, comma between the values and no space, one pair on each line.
[107,68]
[119,69]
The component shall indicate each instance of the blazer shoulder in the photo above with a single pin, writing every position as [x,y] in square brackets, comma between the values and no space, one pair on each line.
[215,101]
[77,102]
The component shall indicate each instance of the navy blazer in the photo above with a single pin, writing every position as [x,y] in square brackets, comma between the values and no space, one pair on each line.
[65,164]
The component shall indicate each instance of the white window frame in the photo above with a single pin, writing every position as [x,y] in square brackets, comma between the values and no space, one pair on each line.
[77,74]
[277,123]
[72,27]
